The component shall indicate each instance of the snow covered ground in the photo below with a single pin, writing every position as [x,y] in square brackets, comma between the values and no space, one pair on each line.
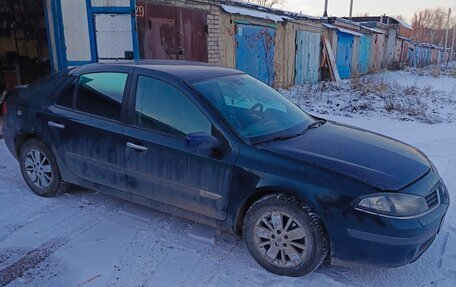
[426,95]
[89,239]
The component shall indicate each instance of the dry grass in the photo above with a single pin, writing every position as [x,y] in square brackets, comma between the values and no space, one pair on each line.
[435,72]
[365,86]
[374,95]
[451,72]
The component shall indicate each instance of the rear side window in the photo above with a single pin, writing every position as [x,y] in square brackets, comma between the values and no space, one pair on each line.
[101,94]
[162,107]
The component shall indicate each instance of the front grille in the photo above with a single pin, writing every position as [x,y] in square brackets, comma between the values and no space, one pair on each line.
[432,199]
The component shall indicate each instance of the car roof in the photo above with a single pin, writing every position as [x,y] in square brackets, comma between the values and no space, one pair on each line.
[183,70]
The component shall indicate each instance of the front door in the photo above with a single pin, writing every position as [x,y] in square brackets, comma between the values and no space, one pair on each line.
[159,164]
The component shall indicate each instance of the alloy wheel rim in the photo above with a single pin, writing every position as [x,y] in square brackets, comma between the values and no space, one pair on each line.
[38,168]
[281,239]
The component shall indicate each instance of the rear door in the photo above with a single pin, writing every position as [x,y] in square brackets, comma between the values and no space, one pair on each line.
[85,126]
[160,166]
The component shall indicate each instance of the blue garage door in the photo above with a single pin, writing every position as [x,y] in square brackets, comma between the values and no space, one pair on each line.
[364,54]
[344,54]
[255,52]
[307,57]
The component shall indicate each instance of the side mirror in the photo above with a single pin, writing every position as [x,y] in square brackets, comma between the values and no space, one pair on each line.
[201,141]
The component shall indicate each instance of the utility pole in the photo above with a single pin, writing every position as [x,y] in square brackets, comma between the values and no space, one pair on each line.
[325,14]
[452,45]
[448,28]
[446,37]
[351,8]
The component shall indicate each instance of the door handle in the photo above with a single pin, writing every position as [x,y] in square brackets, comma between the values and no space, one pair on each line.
[136,147]
[56,125]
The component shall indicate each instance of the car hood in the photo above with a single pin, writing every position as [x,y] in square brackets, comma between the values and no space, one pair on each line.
[381,162]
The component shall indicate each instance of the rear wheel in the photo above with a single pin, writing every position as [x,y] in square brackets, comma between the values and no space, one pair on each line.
[285,236]
[39,169]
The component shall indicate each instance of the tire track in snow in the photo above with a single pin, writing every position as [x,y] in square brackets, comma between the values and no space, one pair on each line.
[75,223]
[34,235]
[30,260]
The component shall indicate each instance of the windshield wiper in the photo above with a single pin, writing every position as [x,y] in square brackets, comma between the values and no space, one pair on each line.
[286,137]
[312,126]
[315,125]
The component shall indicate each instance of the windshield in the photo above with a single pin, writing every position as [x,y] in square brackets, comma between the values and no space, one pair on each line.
[257,112]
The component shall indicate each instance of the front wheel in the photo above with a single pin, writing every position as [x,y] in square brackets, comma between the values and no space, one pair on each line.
[285,236]
[39,169]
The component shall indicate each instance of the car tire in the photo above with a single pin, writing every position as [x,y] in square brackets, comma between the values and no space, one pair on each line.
[285,236]
[40,170]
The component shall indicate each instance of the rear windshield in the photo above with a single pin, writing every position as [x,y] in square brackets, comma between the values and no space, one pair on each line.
[52,76]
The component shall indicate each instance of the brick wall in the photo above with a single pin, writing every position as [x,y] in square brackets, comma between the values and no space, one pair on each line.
[213,39]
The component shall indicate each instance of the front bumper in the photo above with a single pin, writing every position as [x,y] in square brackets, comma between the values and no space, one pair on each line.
[368,239]
[405,242]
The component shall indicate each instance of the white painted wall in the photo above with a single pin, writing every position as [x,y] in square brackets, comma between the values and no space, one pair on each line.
[75,25]
[114,35]
[111,3]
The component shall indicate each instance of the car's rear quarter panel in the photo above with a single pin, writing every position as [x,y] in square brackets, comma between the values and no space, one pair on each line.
[25,104]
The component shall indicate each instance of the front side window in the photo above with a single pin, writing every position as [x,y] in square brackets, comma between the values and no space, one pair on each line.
[257,112]
[101,94]
[162,107]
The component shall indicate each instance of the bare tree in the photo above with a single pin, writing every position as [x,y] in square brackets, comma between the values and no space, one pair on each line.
[429,26]
[438,22]
[425,21]
[403,30]
[267,3]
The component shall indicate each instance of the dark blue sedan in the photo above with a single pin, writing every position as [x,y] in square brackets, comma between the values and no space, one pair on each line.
[216,146]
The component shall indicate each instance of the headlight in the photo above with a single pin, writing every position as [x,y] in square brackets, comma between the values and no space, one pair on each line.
[444,193]
[434,169]
[393,204]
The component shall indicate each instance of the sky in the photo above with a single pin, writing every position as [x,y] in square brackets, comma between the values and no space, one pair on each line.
[374,7]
